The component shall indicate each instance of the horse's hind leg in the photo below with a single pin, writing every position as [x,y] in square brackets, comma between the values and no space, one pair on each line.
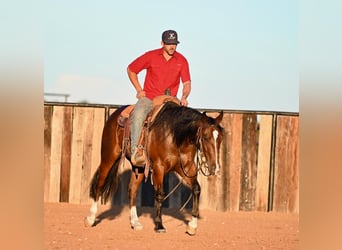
[97,183]
[90,219]
[192,225]
[133,187]
[104,182]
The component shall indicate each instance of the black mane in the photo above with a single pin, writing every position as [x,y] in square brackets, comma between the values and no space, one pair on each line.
[182,122]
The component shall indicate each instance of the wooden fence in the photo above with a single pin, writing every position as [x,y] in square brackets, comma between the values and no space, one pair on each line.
[259,161]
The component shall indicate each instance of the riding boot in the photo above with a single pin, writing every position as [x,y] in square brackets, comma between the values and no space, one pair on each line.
[138,157]
[141,109]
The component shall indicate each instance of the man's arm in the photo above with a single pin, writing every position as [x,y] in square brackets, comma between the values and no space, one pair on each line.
[186,92]
[133,77]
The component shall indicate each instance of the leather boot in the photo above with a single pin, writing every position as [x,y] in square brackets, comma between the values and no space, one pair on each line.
[138,157]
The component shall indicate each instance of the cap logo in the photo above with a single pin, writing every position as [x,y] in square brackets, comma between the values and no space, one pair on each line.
[172,36]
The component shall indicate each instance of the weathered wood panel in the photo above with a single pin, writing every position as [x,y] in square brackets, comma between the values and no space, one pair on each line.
[56,152]
[234,145]
[224,170]
[98,124]
[264,161]
[81,118]
[66,155]
[87,160]
[248,167]
[286,180]
[205,191]
[47,150]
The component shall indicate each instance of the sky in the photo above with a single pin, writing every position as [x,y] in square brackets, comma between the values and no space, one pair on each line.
[243,55]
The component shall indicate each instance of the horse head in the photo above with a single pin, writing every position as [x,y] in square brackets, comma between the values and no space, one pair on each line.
[210,135]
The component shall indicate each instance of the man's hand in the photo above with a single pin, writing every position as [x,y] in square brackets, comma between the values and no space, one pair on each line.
[184,102]
[140,94]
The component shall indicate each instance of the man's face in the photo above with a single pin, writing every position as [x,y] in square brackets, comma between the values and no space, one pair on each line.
[169,48]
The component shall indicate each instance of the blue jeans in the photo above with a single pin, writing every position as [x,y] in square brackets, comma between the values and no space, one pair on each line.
[141,109]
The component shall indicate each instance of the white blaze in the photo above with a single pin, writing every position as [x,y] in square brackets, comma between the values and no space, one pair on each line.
[215,135]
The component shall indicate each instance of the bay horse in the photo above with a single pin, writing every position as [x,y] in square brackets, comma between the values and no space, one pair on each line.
[179,139]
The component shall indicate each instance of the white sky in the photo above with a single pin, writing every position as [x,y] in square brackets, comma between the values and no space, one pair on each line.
[242,54]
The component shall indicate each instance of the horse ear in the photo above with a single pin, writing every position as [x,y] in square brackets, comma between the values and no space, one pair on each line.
[218,119]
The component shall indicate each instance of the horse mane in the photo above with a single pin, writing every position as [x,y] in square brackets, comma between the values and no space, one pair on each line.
[181,122]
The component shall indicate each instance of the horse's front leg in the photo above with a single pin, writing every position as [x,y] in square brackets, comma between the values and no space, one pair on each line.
[196,191]
[159,198]
[133,187]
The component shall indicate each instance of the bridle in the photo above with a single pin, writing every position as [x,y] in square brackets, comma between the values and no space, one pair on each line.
[200,159]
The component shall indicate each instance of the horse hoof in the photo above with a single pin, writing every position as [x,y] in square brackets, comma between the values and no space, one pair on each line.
[191,230]
[161,230]
[88,222]
[136,225]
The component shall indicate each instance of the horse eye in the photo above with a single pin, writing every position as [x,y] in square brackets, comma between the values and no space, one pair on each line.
[206,138]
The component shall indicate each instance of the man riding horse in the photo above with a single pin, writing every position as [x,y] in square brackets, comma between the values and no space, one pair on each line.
[179,139]
[165,67]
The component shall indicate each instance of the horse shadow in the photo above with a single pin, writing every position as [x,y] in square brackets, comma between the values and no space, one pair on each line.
[145,199]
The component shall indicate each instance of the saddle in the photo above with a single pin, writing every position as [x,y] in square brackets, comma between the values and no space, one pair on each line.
[124,121]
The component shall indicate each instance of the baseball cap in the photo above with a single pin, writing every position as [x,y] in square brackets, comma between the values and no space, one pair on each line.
[170,37]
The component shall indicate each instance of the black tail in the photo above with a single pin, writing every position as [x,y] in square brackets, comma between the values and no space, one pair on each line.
[109,187]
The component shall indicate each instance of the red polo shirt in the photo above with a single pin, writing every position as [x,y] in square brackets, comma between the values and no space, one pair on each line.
[161,74]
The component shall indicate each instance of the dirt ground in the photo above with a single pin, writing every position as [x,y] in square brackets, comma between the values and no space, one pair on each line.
[64,229]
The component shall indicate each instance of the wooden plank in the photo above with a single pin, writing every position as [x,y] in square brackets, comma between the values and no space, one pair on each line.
[66,154]
[248,167]
[264,160]
[218,187]
[286,179]
[224,166]
[79,127]
[47,150]
[204,197]
[56,149]
[213,192]
[234,149]
[209,188]
[87,154]
[99,119]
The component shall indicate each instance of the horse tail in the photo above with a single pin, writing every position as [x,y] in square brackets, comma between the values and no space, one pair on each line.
[106,187]
[93,184]
[110,184]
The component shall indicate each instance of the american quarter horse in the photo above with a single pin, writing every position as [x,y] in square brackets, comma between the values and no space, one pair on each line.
[179,139]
